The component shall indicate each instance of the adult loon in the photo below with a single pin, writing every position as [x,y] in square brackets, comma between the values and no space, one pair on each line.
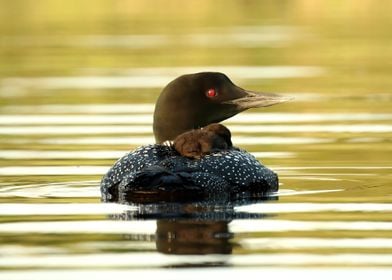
[190,102]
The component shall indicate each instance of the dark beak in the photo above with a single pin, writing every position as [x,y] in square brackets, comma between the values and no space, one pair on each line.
[251,99]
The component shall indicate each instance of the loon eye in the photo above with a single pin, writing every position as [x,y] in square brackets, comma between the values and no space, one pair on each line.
[212,93]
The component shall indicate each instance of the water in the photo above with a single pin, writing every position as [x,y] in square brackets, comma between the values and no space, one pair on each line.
[77,91]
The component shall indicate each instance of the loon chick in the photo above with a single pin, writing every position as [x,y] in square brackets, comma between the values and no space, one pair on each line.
[199,142]
[190,102]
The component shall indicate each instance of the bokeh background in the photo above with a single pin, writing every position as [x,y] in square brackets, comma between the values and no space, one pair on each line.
[78,83]
[351,39]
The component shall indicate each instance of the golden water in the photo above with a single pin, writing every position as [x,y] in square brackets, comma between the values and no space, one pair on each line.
[78,82]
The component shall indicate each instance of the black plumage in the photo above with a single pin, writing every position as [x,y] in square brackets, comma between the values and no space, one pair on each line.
[160,171]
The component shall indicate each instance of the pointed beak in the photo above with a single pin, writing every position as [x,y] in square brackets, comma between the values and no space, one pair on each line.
[252,99]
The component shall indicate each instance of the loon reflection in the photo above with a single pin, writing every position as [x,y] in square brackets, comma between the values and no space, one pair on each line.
[200,164]
[193,237]
[195,228]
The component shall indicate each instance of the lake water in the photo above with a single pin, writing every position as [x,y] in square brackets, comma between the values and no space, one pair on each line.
[78,82]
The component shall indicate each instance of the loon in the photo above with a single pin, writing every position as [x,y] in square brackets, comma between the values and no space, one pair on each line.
[191,102]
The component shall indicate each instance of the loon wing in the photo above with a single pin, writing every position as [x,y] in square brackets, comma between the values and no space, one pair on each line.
[160,171]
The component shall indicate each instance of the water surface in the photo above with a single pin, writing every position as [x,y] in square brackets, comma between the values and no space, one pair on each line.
[77,91]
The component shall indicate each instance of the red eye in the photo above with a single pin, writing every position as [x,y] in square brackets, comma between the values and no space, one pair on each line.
[212,93]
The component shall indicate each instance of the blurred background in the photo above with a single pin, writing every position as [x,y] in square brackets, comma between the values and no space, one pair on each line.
[78,83]
[349,40]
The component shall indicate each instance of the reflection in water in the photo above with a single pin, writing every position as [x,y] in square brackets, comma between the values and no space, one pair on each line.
[193,237]
[196,228]
[206,232]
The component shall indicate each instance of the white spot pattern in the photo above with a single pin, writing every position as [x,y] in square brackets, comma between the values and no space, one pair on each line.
[221,172]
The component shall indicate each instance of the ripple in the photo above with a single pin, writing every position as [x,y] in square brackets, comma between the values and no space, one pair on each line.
[310,243]
[203,273]
[52,170]
[333,167]
[242,226]
[88,189]
[287,192]
[159,260]
[238,36]
[16,209]
[158,77]
[80,108]
[245,118]
[149,227]
[115,129]
[85,226]
[314,207]
[337,128]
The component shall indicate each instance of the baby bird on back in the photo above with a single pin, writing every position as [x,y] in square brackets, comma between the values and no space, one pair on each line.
[199,142]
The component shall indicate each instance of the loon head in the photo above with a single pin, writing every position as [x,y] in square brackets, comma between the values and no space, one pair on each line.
[196,100]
